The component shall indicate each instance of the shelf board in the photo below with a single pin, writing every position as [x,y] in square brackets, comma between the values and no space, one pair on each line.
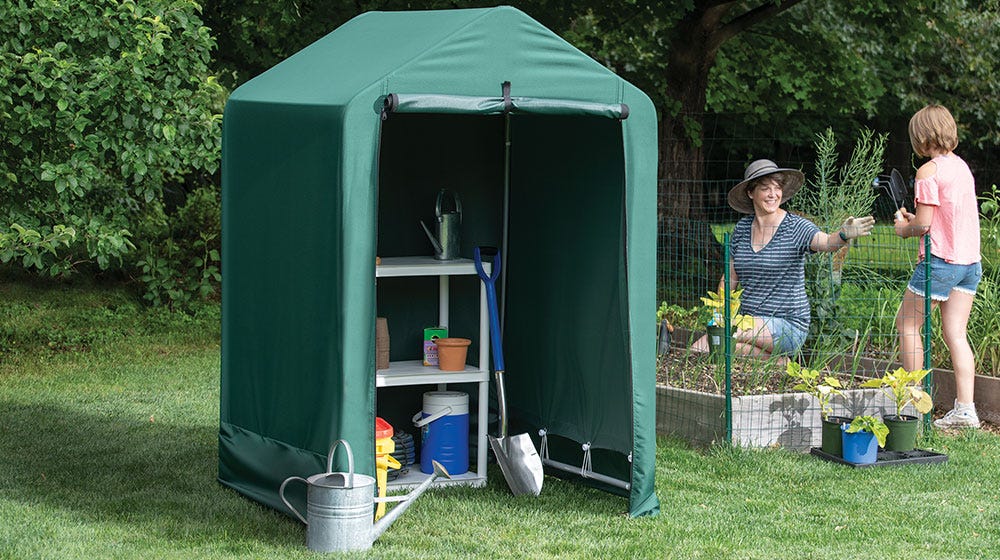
[413,478]
[425,266]
[414,372]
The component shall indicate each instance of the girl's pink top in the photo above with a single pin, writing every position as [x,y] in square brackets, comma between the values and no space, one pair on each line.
[954,230]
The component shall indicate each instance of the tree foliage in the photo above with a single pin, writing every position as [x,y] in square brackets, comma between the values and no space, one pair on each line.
[794,67]
[111,114]
[107,106]
[847,65]
[956,62]
[254,35]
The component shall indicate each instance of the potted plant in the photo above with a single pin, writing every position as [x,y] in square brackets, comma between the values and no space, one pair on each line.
[860,438]
[823,389]
[715,305]
[903,387]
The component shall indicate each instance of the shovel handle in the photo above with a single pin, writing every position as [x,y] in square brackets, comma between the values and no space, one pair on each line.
[489,281]
[492,252]
[501,404]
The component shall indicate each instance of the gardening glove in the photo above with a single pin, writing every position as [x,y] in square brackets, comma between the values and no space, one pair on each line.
[854,228]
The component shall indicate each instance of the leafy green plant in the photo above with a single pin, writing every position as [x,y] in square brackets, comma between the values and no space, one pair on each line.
[183,264]
[106,107]
[809,381]
[30,245]
[677,315]
[984,325]
[837,191]
[903,387]
[984,322]
[715,305]
[869,424]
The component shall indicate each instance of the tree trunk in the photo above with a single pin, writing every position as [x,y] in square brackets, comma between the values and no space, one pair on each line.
[691,57]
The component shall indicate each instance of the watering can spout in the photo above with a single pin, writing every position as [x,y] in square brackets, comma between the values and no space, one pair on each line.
[382,524]
[434,242]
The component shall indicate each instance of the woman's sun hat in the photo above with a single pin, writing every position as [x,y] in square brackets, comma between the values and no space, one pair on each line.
[791,181]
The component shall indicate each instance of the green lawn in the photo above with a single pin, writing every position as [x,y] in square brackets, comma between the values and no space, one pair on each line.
[108,426]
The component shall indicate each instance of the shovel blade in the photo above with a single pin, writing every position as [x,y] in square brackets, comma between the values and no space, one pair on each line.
[520,463]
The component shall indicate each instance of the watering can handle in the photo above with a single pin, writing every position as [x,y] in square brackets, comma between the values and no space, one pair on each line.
[421,423]
[350,461]
[281,493]
[454,197]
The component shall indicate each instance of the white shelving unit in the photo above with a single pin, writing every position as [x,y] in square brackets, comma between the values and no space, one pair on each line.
[414,372]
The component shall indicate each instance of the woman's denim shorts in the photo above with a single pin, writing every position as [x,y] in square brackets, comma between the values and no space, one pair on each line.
[787,337]
[946,277]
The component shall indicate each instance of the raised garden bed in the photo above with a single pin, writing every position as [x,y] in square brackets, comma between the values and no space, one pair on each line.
[987,394]
[691,401]
[789,420]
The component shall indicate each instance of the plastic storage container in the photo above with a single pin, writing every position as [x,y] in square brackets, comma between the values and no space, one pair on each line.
[444,431]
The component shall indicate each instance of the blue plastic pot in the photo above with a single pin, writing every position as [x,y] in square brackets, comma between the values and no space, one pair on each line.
[860,448]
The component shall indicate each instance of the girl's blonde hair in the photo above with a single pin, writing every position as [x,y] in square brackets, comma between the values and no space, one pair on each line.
[933,129]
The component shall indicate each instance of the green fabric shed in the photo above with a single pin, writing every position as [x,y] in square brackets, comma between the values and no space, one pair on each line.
[334,156]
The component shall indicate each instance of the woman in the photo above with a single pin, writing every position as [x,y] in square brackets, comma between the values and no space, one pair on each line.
[768,249]
[945,196]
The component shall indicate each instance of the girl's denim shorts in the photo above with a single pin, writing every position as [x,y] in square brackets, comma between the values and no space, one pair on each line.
[946,277]
[787,337]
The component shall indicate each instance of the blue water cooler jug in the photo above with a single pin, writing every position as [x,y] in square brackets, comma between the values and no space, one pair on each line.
[444,431]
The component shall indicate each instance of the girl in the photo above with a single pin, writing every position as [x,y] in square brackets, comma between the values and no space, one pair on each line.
[945,198]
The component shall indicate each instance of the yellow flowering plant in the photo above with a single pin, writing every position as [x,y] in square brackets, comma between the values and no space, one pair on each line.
[810,381]
[903,387]
[715,303]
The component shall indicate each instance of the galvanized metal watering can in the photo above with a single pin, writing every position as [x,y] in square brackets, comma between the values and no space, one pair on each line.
[448,242]
[340,506]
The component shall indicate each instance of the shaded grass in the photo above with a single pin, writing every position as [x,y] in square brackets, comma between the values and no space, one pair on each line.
[110,452]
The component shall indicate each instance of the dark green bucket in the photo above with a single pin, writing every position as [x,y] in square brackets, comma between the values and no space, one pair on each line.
[902,432]
[716,341]
[832,443]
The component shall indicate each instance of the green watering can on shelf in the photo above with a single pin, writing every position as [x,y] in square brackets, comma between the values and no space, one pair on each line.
[448,242]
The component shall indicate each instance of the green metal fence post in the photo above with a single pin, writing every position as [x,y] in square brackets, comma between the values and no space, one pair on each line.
[728,330]
[929,380]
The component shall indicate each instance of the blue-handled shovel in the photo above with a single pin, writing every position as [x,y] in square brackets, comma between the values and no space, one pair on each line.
[516,455]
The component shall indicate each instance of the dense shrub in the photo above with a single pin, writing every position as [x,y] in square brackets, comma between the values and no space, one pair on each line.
[181,262]
[105,107]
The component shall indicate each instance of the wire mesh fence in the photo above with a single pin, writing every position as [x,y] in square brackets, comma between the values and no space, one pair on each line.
[854,295]
[724,396]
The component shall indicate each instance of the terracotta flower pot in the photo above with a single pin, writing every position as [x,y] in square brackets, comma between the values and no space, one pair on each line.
[451,353]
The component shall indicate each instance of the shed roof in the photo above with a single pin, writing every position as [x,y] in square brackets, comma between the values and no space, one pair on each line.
[434,51]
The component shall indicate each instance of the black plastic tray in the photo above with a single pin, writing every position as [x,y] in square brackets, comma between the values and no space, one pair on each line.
[888,458]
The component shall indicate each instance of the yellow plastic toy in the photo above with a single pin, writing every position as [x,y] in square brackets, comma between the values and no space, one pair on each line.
[384,446]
